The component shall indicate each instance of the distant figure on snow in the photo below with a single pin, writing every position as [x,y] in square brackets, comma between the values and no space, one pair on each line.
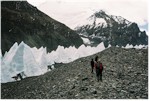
[92,65]
[49,67]
[15,77]
[99,68]
[19,75]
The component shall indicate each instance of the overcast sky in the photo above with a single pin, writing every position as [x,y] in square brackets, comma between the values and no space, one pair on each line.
[70,11]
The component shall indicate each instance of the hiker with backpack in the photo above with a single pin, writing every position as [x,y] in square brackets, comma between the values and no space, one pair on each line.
[92,65]
[99,68]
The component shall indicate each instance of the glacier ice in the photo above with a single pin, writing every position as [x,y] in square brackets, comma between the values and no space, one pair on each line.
[9,55]
[20,59]
[40,57]
[33,61]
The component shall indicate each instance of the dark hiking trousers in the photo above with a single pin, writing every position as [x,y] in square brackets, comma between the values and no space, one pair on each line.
[99,74]
[92,69]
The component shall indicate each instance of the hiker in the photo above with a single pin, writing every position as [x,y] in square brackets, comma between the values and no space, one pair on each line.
[99,68]
[19,75]
[92,65]
[96,58]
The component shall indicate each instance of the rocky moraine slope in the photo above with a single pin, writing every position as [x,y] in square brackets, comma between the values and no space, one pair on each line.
[21,21]
[125,76]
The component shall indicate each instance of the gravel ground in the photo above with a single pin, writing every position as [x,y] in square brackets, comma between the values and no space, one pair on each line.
[125,76]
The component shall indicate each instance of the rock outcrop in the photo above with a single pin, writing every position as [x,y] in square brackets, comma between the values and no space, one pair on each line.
[21,21]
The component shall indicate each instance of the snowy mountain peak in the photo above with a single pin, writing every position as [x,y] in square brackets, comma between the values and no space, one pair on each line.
[110,29]
[100,14]
[109,19]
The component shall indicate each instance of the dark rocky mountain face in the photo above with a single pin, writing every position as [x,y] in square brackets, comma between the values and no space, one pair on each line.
[20,21]
[125,76]
[113,30]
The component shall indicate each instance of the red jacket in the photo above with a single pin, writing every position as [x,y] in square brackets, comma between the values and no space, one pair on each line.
[100,66]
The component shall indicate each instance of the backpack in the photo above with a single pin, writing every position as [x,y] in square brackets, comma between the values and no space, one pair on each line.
[99,65]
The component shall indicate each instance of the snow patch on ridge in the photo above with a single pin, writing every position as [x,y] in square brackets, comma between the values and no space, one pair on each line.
[86,40]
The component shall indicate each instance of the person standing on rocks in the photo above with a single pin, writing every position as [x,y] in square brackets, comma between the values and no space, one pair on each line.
[96,58]
[92,65]
[99,68]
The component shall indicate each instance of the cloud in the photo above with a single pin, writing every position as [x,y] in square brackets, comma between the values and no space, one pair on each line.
[36,2]
[71,12]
